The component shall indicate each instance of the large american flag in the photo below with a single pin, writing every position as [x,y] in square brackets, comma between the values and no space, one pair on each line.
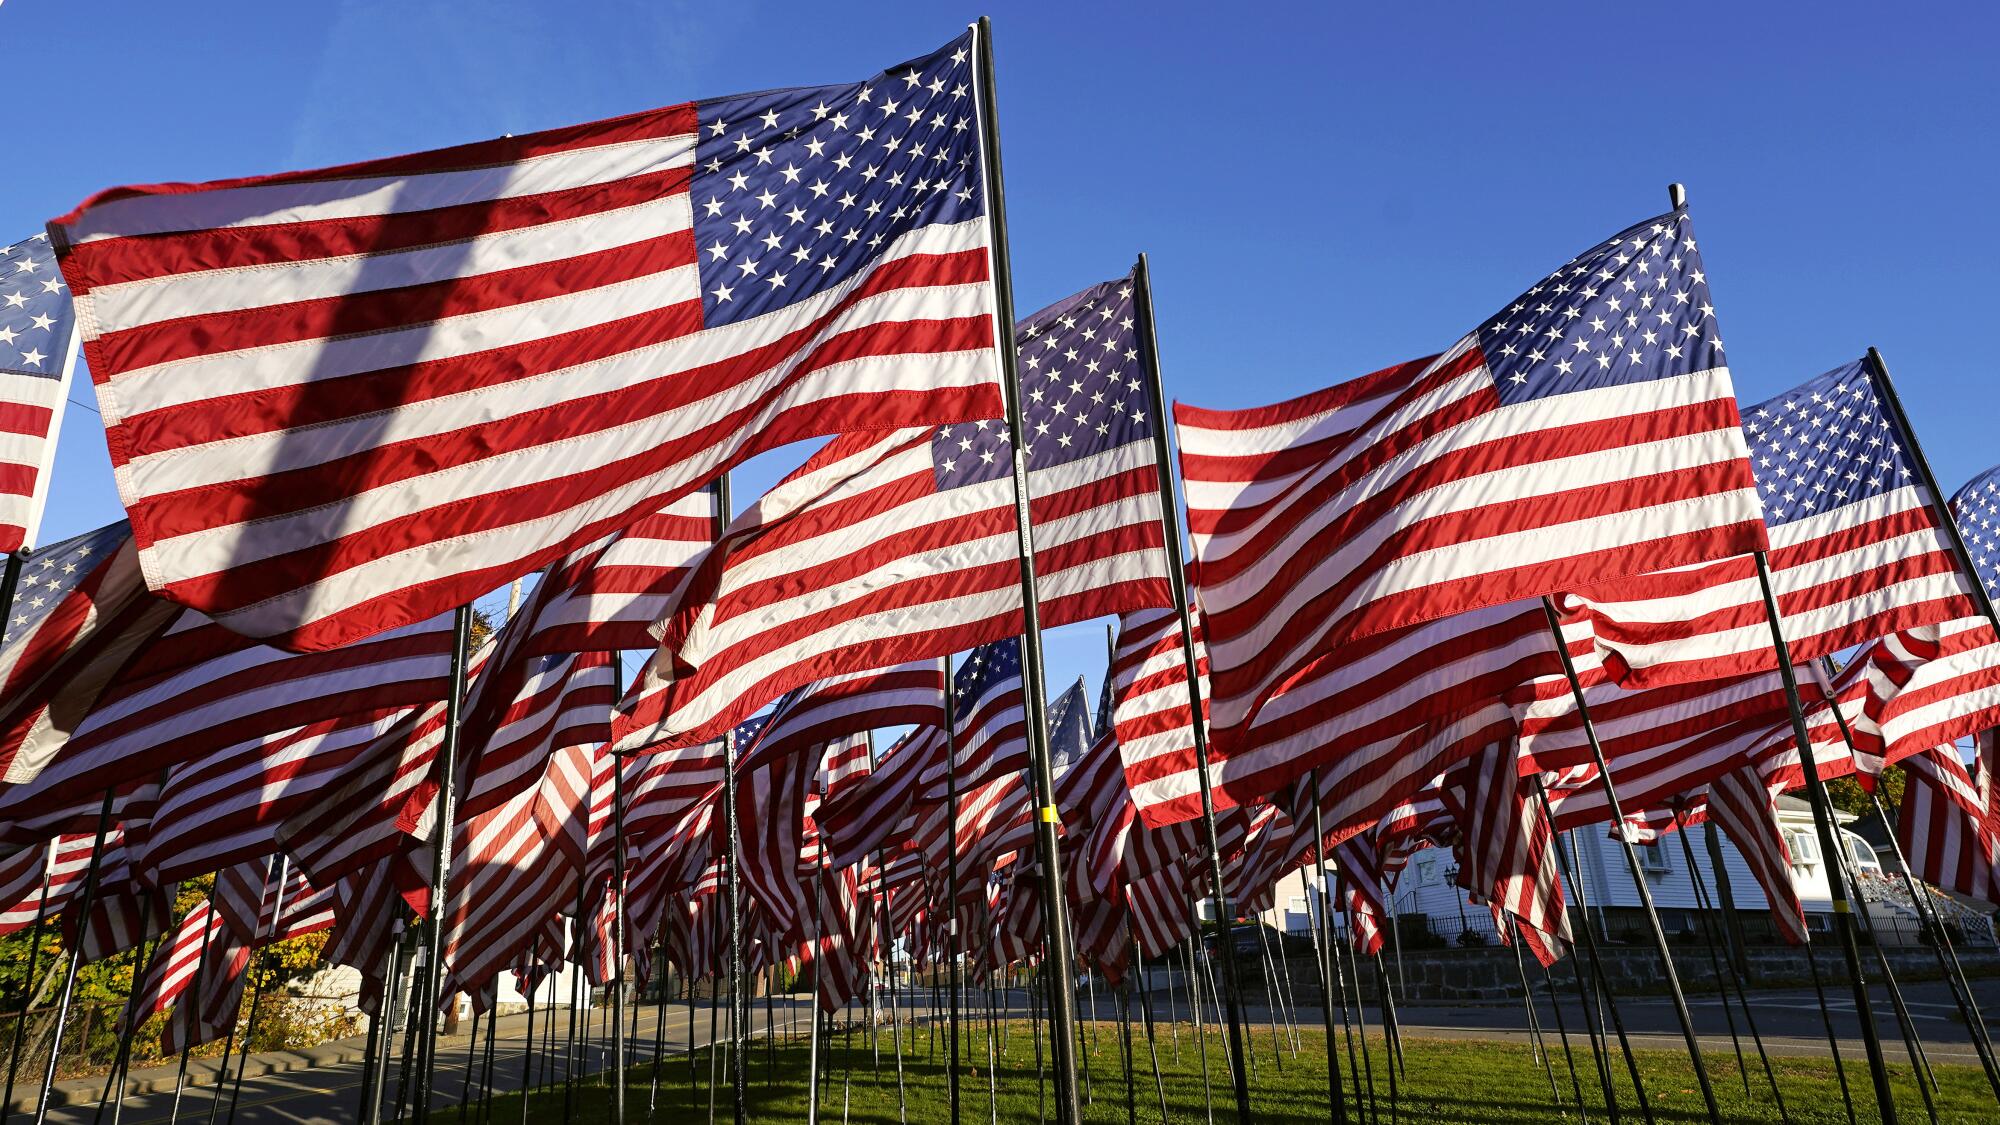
[445,370]
[1858,549]
[1587,431]
[37,355]
[888,548]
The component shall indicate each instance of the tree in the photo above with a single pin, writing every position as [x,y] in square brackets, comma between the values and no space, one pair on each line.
[1848,796]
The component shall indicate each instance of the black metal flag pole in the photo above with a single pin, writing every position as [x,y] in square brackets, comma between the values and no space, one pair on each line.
[1726,974]
[732,866]
[1033,680]
[1586,994]
[1682,828]
[284,872]
[86,903]
[447,805]
[618,935]
[1829,842]
[1170,525]
[955,945]
[129,1025]
[200,971]
[1324,937]
[28,987]
[1656,932]
[1954,973]
[1146,1011]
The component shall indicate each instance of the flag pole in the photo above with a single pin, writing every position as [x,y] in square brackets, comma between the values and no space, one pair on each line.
[1829,843]
[191,997]
[1954,973]
[87,903]
[618,916]
[1734,979]
[34,951]
[1682,828]
[447,799]
[1658,934]
[1588,996]
[732,864]
[1170,526]
[951,881]
[1035,704]
[1324,935]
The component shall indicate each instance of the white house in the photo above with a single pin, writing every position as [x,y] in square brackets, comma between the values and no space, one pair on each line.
[1427,886]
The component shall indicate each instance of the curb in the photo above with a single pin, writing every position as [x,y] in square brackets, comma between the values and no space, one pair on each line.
[201,1074]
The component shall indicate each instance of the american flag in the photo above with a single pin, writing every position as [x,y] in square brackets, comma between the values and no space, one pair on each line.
[1587,431]
[886,548]
[1744,807]
[847,761]
[1858,549]
[219,696]
[1938,683]
[449,369]
[172,967]
[37,355]
[605,597]
[871,812]
[1949,825]
[517,864]
[1507,848]
[837,707]
[1070,735]
[25,890]
[991,719]
[80,612]
[226,807]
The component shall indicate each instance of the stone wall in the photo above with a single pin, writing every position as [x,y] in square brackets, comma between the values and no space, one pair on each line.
[1493,974]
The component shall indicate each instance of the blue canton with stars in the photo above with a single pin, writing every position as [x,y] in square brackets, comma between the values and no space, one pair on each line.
[1631,310]
[35,314]
[1081,391]
[1069,725]
[1976,507]
[1824,444]
[990,667]
[49,574]
[795,190]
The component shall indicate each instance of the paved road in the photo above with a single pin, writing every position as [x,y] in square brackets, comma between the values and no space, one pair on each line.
[1790,1021]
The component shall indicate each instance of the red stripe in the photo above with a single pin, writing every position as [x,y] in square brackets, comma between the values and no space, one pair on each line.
[118,260]
[25,419]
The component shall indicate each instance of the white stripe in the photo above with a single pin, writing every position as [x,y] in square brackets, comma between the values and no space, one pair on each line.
[322,200]
[135,304]
[138,391]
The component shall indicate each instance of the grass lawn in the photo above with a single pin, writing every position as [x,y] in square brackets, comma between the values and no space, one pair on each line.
[1445,1081]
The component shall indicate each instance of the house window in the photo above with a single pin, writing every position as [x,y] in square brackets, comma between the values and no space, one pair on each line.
[1426,870]
[1653,858]
[1805,849]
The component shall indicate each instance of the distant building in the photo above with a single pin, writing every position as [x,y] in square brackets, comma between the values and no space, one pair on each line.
[1427,888]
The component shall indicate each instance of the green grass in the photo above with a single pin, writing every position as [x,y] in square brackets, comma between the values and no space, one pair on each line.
[1446,1081]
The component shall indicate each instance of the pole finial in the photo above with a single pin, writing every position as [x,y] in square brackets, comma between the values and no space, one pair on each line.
[1677,194]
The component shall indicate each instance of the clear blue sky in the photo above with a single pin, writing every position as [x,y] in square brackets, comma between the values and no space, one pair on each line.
[1324,189]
